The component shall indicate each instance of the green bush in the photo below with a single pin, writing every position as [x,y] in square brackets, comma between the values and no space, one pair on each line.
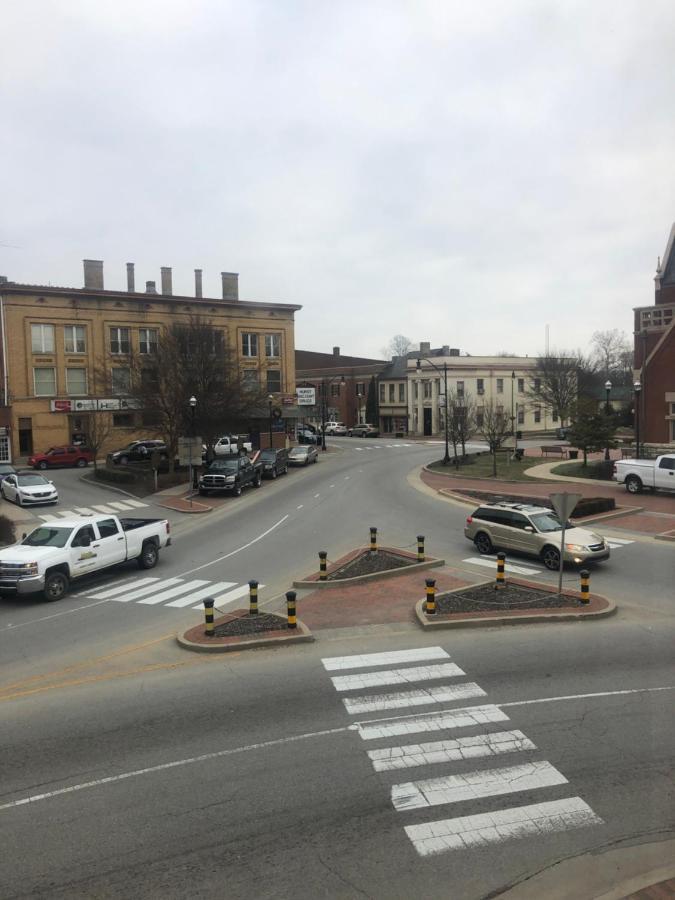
[589,506]
[119,476]
[7,535]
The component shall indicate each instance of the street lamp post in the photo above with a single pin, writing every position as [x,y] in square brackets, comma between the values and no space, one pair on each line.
[446,458]
[324,385]
[608,409]
[513,413]
[193,411]
[270,400]
[637,387]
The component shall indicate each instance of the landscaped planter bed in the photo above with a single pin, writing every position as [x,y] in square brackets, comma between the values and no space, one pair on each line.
[369,563]
[484,597]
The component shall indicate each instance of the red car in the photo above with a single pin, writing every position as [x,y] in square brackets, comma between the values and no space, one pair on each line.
[61,456]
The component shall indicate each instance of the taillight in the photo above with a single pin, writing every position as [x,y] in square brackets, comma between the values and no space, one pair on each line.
[168,527]
[469,520]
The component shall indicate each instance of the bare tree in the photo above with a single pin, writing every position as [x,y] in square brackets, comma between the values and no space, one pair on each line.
[494,429]
[555,383]
[461,419]
[399,345]
[613,355]
[98,430]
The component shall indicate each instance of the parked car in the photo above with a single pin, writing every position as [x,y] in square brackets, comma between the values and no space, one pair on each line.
[302,456]
[534,531]
[26,488]
[231,444]
[232,474]
[5,470]
[637,474]
[335,428]
[560,433]
[56,553]
[274,462]
[61,456]
[138,451]
[305,436]
[363,431]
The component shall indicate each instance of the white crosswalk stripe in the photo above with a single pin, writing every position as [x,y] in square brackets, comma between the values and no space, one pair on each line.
[76,511]
[388,759]
[615,543]
[332,663]
[104,509]
[175,592]
[446,719]
[444,694]
[489,562]
[119,505]
[208,591]
[395,676]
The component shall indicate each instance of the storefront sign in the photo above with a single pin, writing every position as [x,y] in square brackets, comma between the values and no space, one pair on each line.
[61,405]
[306,396]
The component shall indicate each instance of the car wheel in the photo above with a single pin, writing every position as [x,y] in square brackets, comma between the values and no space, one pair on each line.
[81,463]
[483,543]
[633,484]
[274,473]
[237,490]
[56,586]
[42,465]
[149,556]
[550,556]
[258,481]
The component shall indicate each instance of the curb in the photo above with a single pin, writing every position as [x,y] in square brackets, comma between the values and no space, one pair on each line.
[304,636]
[110,487]
[202,508]
[490,480]
[360,579]
[468,620]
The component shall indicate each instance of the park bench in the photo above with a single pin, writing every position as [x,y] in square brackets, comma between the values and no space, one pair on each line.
[556,450]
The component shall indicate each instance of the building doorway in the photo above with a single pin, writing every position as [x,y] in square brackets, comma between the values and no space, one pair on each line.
[5,446]
[25,437]
[427,421]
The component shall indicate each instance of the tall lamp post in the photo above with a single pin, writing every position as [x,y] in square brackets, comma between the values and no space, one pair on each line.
[444,370]
[324,385]
[270,400]
[513,413]
[193,411]
[608,409]
[637,387]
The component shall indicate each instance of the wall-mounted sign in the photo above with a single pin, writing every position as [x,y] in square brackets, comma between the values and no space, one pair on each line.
[306,396]
[61,405]
[81,405]
[113,403]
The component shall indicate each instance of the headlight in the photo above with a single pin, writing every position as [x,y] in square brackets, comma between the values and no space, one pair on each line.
[230,478]
[31,568]
[576,548]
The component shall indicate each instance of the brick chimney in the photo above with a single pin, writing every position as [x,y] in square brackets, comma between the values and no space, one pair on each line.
[167,288]
[198,283]
[131,279]
[150,287]
[93,274]
[230,285]
[336,351]
[425,347]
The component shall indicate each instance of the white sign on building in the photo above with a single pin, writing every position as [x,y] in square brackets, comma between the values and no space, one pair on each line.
[306,396]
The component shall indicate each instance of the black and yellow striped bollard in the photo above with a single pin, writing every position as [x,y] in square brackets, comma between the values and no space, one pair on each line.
[501,559]
[253,598]
[373,539]
[209,629]
[430,606]
[323,565]
[585,586]
[420,548]
[290,609]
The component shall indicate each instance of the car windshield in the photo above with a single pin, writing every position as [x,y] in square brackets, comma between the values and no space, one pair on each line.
[224,465]
[548,522]
[268,454]
[299,451]
[4,468]
[47,536]
[27,480]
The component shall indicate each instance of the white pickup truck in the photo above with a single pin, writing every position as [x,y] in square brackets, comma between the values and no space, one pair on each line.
[637,474]
[230,444]
[58,552]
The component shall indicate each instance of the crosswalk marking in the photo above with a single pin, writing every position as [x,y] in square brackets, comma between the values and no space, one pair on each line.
[489,563]
[84,511]
[236,594]
[442,694]
[208,591]
[388,759]
[616,543]
[140,592]
[121,587]
[446,719]
[333,663]
[395,676]
[104,509]
[501,825]
[119,505]
[173,591]
[475,785]
[137,504]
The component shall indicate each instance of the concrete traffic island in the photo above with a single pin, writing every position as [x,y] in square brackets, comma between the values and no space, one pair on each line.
[243,630]
[515,602]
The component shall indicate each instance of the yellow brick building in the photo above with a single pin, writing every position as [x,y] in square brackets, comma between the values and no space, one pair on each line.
[66,352]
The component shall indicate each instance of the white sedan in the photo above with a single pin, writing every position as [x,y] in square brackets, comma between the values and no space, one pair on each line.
[25,488]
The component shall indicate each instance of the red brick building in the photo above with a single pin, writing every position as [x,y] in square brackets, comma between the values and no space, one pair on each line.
[345,402]
[654,354]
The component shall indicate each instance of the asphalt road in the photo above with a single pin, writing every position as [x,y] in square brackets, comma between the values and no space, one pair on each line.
[289,802]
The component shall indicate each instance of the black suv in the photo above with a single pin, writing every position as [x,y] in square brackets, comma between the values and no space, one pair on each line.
[138,451]
[274,462]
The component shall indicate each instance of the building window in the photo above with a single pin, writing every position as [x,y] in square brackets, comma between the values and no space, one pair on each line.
[555,416]
[249,344]
[537,384]
[537,414]
[417,390]
[121,380]
[392,393]
[460,388]
[249,379]
[480,417]
[360,389]
[521,385]
[123,420]
[45,382]
[335,389]
[147,340]
[382,393]
[521,417]
[480,385]
[217,343]
[119,340]
[272,345]
[274,380]
[75,339]
[500,385]
[76,381]
[427,390]
[42,338]
[401,392]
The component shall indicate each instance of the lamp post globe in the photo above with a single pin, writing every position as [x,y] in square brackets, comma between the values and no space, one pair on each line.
[608,388]
[637,387]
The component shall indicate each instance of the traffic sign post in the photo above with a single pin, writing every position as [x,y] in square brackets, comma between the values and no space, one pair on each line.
[189,449]
[564,504]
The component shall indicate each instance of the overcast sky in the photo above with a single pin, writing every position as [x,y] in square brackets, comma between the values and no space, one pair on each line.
[462,173]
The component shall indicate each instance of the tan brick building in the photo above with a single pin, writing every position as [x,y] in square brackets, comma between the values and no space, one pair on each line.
[65,352]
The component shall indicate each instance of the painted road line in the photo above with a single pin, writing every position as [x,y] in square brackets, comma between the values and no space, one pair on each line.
[84,511]
[124,597]
[120,505]
[123,586]
[475,785]
[104,509]
[173,592]
[395,676]
[135,503]
[442,694]
[613,544]
[509,567]
[65,513]
[211,589]
[127,582]
[48,517]
[467,832]
[445,720]
[387,759]
[333,663]
[236,594]
[618,541]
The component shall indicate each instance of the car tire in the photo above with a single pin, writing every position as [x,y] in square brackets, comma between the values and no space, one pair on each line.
[149,556]
[274,473]
[550,556]
[483,543]
[257,483]
[236,490]
[633,484]
[56,586]
[81,463]
[42,465]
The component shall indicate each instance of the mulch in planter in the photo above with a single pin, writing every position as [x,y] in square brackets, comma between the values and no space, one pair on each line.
[484,597]
[367,563]
[247,624]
